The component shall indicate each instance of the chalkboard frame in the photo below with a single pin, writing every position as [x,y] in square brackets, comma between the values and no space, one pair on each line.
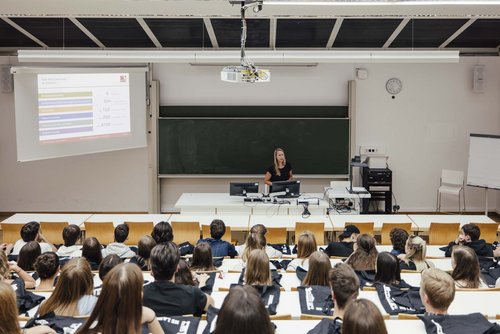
[181,121]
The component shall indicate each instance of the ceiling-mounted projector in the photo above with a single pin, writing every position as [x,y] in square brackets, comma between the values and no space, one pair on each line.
[245,74]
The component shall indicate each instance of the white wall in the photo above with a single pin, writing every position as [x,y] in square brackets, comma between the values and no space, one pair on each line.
[113,181]
[425,128]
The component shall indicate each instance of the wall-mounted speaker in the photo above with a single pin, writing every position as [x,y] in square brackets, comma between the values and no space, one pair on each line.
[478,80]
[6,80]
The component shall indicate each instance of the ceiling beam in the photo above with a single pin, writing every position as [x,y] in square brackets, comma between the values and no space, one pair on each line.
[396,32]
[335,32]
[211,32]
[458,32]
[148,32]
[87,32]
[25,32]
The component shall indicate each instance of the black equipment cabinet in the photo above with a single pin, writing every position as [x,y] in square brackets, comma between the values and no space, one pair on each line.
[378,182]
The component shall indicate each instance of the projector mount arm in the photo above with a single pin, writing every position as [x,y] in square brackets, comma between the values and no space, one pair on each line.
[257,7]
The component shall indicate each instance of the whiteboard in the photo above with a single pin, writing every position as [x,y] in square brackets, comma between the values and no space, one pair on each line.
[484,161]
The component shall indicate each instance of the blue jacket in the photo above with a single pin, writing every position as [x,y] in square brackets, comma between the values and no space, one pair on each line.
[220,247]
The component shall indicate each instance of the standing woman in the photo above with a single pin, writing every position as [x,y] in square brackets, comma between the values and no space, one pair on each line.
[281,170]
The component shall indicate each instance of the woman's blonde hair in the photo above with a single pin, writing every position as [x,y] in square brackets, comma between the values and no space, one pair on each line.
[306,245]
[276,163]
[254,241]
[4,266]
[119,307]
[75,281]
[8,311]
[258,271]
[417,251]
[319,270]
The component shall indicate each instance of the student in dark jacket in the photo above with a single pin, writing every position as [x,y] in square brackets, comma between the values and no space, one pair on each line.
[164,296]
[344,247]
[469,236]
[219,247]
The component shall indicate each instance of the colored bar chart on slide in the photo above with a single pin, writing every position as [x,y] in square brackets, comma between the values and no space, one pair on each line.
[74,107]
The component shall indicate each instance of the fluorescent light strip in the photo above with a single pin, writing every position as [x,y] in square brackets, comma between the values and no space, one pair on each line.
[230,57]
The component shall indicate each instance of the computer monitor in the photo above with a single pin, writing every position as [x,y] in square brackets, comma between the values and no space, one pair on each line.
[286,189]
[243,188]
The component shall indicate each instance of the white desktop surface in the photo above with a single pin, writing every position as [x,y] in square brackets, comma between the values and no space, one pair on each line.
[282,326]
[339,221]
[236,222]
[222,203]
[424,221]
[289,221]
[465,302]
[443,264]
[342,192]
[118,219]
[71,218]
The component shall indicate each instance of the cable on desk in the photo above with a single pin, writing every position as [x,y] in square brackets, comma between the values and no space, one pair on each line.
[306,213]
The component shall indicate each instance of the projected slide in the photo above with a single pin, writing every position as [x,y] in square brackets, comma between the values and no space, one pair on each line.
[84,106]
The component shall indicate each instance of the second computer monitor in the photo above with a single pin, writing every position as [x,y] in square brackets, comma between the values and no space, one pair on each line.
[287,188]
[243,188]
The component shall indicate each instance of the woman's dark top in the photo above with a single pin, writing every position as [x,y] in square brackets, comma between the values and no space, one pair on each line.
[285,173]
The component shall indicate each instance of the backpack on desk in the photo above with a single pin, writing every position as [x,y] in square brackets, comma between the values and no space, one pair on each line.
[396,300]
[315,299]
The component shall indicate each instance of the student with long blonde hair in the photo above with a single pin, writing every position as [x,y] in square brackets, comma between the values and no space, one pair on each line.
[415,257]
[306,245]
[257,271]
[281,170]
[119,307]
[7,268]
[9,322]
[319,270]
[254,241]
[72,295]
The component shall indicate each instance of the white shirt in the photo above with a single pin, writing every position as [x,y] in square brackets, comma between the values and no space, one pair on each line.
[45,247]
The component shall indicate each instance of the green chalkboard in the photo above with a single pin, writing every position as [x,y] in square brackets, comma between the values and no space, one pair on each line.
[222,145]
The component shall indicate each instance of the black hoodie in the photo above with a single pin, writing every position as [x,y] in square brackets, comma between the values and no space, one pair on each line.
[481,248]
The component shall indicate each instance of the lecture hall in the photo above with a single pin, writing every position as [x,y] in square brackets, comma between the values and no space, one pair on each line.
[249,166]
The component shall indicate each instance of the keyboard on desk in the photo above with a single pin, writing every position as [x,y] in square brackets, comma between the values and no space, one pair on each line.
[288,196]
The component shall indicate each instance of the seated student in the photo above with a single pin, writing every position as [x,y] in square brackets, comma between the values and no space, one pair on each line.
[469,236]
[243,312]
[257,271]
[319,270]
[118,247]
[144,247]
[47,267]
[466,271]
[202,259]
[71,234]
[344,247]
[28,255]
[92,251]
[162,232]
[388,271]
[306,245]
[219,247]
[345,288]
[363,316]
[262,230]
[184,274]
[72,295]
[9,317]
[163,295]
[108,263]
[7,267]
[119,307]
[31,232]
[437,291]
[365,254]
[398,238]
[415,257]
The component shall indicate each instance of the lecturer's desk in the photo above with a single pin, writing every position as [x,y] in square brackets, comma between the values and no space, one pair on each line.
[341,192]
[223,204]
[424,221]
